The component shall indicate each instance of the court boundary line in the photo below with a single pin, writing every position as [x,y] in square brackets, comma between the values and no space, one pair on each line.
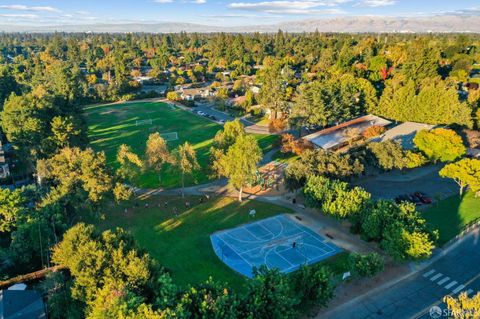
[320,246]
[248,263]
[274,250]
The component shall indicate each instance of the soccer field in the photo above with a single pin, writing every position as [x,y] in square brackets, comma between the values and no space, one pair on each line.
[130,123]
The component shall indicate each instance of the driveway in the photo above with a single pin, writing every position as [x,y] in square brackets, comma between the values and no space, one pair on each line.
[424,179]
[453,272]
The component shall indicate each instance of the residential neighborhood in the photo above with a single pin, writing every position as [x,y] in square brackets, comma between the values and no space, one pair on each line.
[263,160]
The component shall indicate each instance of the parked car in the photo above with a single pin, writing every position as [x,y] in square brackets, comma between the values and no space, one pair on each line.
[423,197]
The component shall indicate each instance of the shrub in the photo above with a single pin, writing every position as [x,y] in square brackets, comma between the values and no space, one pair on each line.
[387,155]
[276,125]
[413,159]
[366,265]
[173,96]
[373,131]
[313,285]
[128,97]
[295,146]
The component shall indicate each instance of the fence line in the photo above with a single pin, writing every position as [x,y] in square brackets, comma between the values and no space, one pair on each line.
[470,226]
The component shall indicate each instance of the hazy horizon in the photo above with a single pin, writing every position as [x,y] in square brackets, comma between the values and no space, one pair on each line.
[223,13]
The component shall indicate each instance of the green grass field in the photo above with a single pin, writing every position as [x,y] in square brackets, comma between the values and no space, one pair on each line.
[450,215]
[111,125]
[182,244]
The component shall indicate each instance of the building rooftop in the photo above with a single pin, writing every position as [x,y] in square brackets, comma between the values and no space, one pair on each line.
[335,136]
[404,133]
[21,304]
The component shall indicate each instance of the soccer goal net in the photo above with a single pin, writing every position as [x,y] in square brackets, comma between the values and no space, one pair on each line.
[143,122]
[172,136]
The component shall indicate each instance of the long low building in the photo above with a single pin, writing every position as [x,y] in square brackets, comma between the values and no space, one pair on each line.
[404,133]
[337,136]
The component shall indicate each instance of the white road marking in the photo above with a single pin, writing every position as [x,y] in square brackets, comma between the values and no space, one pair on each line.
[469,291]
[450,285]
[456,290]
[444,280]
[436,277]
[431,272]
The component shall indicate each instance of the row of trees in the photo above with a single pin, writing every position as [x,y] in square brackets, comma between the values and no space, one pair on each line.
[112,278]
[399,228]
[157,156]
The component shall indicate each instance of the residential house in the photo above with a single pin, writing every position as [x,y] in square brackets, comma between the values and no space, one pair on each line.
[21,304]
[237,101]
[255,89]
[404,133]
[191,94]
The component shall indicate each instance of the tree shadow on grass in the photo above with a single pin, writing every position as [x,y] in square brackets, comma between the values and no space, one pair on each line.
[448,217]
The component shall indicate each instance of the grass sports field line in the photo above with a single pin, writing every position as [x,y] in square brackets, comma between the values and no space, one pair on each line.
[111,125]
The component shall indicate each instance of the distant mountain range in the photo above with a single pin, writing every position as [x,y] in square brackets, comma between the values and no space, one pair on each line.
[375,24]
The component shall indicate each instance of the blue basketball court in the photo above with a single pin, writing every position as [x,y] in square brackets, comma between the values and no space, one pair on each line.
[277,242]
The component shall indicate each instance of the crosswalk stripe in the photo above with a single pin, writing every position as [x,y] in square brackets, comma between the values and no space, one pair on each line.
[456,290]
[469,291]
[436,277]
[429,273]
[444,280]
[450,285]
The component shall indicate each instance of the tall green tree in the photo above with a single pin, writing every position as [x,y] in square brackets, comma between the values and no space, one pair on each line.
[13,207]
[465,172]
[186,162]
[440,144]
[157,153]
[273,92]
[239,164]
[130,163]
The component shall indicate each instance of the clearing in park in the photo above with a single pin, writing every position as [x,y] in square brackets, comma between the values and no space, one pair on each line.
[277,242]
[131,123]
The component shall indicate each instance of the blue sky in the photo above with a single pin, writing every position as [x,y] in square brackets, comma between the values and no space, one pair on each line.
[217,12]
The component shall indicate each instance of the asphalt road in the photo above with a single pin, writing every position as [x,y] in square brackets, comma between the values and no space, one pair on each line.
[208,109]
[456,271]
[250,127]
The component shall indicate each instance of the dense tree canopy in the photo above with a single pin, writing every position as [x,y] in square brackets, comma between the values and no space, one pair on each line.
[311,79]
[334,197]
[323,163]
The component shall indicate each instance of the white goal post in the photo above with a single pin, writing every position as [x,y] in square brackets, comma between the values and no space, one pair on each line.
[171,136]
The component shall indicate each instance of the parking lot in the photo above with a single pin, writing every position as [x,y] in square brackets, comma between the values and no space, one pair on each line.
[426,180]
